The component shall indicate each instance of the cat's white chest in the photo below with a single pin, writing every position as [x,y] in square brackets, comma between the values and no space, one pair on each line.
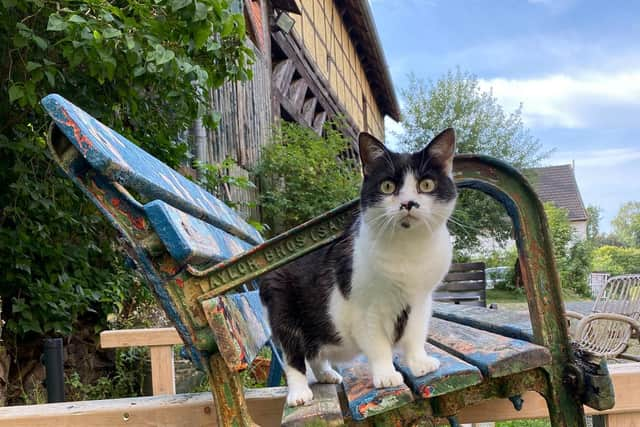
[387,278]
[408,263]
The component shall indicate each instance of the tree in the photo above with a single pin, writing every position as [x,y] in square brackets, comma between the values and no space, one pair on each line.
[626,224]
[144,67]
[456,100]
[594,214]
[573,258]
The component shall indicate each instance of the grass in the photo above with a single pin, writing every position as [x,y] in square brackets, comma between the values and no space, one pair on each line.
[517,300]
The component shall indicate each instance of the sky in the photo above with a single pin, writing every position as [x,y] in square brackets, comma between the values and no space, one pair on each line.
[574,66]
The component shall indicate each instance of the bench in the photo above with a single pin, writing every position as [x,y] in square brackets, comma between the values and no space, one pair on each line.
[464,284]
[200,258]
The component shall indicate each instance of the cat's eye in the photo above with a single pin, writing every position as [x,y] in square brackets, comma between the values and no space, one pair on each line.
[427,185]
[387,187]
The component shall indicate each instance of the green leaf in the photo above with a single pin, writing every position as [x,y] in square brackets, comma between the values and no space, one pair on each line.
[130,42]
[15,92]
[201,36]
[56,23]
[166,56]
[96,35]
[40,42]
[32,66]
[77,19]
[110,33]
[50,78]
[179,4]
[200,12]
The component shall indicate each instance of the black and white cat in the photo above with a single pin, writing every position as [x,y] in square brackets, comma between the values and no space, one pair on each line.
[370,290]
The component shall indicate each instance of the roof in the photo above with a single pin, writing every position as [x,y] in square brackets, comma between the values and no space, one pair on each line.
[358,20]
[558,184]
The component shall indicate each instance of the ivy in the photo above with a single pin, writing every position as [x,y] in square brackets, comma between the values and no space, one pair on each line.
[144,67]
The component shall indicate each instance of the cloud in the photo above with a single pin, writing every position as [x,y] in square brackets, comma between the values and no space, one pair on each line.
[588,99]
[604,158]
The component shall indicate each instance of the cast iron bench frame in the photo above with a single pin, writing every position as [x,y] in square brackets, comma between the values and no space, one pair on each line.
[191,289]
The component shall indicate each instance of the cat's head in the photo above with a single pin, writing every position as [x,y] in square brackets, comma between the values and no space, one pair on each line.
[407,191]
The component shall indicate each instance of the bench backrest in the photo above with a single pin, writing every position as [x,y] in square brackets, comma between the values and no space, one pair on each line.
[464,284]
[193,226]
[118,159]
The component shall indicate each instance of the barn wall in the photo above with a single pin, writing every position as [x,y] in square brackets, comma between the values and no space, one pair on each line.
[324,35]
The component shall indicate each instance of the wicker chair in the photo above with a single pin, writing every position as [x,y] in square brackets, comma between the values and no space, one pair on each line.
[616,313]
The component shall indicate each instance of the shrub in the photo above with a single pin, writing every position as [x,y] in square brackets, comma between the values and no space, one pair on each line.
[304,174]
[616,260]
[144,67]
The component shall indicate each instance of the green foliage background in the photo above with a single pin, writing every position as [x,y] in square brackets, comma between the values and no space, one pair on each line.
[304,174]
[616,260]
[144,67]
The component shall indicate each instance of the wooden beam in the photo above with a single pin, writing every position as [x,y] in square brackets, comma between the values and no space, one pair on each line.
[625,377]
[265,406]
[160,342]
[308,110]
[296,94]
[139,337]
[282,75]
[158,411]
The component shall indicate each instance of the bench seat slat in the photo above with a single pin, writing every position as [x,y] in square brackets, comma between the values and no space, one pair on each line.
[119,159]
[453,374]
[323,411]
[495,355]
[510,323]
[190,240]
[239,327]
[364,399]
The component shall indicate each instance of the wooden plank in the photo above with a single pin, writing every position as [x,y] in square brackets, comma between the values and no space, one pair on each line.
[119,159]
[308,110]
[495,355]
[318,121]
[514,324]
[194,410]
[296,94]
[163,377]
[364,400]
[461,286]
[464,276]
[190,240]
[265,406]
[625,377]
[139,337]
[466,266]
[453,374]
[238,326]
[324,410]
[282,75]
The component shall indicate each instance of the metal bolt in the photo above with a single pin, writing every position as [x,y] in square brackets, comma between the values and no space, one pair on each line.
[207,410]
[517,402]
[125,416]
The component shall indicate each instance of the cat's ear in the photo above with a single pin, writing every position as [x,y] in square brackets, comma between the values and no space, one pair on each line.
[443,148]
[370,150]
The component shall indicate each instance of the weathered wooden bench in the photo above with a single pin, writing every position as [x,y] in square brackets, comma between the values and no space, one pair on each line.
[464,284]
[196,254]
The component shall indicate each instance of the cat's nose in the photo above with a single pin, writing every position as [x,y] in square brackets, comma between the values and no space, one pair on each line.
[409,205]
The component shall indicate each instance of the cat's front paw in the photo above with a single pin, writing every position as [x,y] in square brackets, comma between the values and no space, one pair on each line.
[391,378]
[329,376]
[422,364]
[298,396]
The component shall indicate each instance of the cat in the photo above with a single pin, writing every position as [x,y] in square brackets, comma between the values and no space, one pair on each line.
[369,291]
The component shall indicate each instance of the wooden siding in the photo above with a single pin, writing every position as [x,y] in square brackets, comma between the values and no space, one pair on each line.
[245,125]
[324,35]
